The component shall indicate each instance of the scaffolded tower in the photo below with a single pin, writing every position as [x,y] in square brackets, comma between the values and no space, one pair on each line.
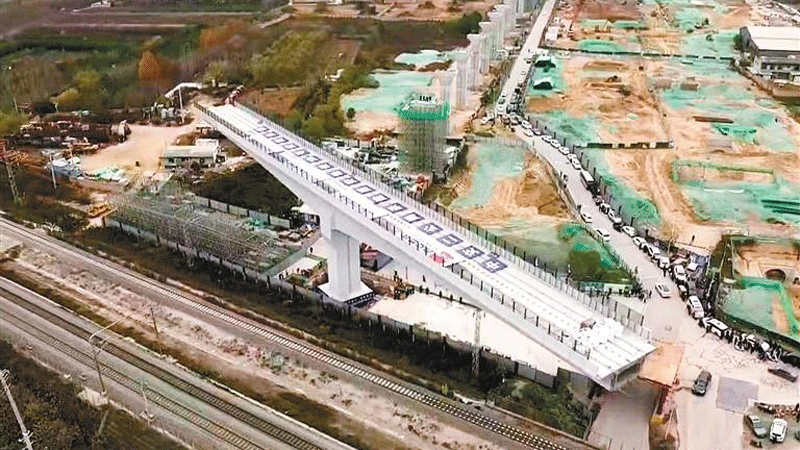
[423,133]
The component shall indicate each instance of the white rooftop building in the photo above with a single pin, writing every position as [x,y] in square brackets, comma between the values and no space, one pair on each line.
[774,52]
[204,152]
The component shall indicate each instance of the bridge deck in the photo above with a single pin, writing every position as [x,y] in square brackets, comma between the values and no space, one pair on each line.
[607,347]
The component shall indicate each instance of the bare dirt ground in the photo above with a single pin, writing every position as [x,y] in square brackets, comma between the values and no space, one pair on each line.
[278,101]
[531,197]
[438,10]
[661,32]
[616,91]
[144,146]
[754,260]
[613,102]
[378,421]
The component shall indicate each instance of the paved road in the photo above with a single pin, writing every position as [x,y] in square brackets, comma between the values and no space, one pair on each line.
[492,426]
[173,407]
[531,44]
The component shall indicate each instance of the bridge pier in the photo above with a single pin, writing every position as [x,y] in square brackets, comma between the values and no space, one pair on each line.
[344,268]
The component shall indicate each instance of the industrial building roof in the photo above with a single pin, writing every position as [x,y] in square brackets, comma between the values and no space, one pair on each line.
[785,39]
[203,148]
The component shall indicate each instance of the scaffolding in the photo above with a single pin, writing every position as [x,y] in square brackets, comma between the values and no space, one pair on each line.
[176,218]
[423,134]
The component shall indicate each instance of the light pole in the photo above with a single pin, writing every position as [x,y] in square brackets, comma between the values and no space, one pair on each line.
[26,435]
[96,349]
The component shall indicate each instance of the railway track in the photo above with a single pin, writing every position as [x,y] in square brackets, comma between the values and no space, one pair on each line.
[419,395]
[198,420]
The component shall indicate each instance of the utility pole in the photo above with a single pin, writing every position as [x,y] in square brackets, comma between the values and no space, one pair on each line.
[11,180]
[96,349]
[26,435]
[476,344]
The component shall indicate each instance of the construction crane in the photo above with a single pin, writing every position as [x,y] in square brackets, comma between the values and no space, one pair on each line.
[26,435]
[11,181]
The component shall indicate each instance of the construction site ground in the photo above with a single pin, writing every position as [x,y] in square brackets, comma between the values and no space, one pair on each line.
[140,152]
[686,28]
[712,115]
[438,10]
[309,393]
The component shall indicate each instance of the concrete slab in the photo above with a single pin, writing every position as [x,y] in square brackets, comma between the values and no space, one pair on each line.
[733,395]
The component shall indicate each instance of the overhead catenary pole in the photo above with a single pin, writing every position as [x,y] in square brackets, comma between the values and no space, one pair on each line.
[96,349]
[26,435]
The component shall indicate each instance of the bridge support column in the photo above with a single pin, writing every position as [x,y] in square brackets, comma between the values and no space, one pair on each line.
[344,270]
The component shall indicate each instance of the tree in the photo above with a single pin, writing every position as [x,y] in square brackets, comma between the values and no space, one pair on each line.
[154,71]
[68,100]
[10,122]
[351,113]
[314,128]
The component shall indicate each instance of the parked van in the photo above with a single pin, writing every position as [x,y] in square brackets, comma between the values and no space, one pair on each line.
[714,326]
[694,307]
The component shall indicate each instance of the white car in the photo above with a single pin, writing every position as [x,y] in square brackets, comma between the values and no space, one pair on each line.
[680,274]
[576,164]
[537,132]
[586,217]
[527,132]
[662,262]
[630,231]
[554,142]
[777,432]
[603,234]
[563,150]
[639,241]
[663,290]
[501,100]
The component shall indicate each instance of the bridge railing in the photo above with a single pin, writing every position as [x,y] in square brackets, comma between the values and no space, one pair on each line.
[564,337]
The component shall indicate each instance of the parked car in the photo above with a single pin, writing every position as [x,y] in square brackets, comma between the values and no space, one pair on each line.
[576,164]
[563,150]
[652,251]
[604,208]
[792,358]
[586,217]
[662,262]
[527,132]
[603,234]
[537,132]
[701,383]
[639,241]
[663,290]
[777,432]
[679,273]
[629,230]
[757,426]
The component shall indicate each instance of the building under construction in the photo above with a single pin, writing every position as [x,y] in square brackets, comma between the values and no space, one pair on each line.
[423,134]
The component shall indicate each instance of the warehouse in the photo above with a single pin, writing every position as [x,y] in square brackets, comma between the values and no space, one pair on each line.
[205,153]
[774,52]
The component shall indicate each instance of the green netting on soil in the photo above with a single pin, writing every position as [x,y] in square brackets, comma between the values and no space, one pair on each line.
[720,44]
[552,243]
[633,203]
[579,130]
[394,87]
[599,46]
[493,162]
[739,133]
[594,23]
[755,302]
[630,25]
[738,201]
[732,101]
[422,58]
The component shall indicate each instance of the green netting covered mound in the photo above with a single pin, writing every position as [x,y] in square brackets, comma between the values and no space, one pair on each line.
[599,46]
[741,201]
[757,301]
[494,162]
[394,87]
